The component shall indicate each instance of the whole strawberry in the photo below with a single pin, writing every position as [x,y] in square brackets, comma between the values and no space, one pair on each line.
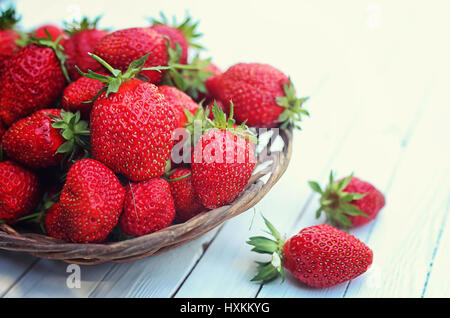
[44,138]
[179,102]
[8,35]
[19,191]
[148,207]
[187,203]
[223,161]
[84,35]
[349,202]
[131,124]
[319,256]
[54,31]
[79,95]
[122,47]
[181,34]
[33,79]
[91,202]
[263,96]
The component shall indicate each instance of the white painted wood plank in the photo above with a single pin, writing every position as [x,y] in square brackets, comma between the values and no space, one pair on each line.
[12,267]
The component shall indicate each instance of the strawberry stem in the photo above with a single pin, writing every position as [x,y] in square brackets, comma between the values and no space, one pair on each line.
[293,112]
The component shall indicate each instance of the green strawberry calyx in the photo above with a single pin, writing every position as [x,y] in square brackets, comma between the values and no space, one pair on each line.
[188,27]
[84,24]
[75,131]
[273,268]
[293,105]
[197,123]
[8,18]
[336,203]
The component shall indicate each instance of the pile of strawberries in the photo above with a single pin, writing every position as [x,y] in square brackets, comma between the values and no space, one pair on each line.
[109,135]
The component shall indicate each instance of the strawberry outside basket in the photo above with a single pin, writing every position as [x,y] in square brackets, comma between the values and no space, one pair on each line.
[270,166]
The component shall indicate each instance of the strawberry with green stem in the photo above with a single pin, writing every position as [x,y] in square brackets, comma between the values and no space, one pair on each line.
[8,35]
[349,201]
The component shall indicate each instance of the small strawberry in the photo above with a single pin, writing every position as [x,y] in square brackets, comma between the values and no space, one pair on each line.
[33,79]
[223,161]
[320,256]
[8,35]
[122,47]
[44,138]
[148,207]
[263,96]
[91,202]
[54,31]
[131,124]
[79,95]
[187,203]
[19,191]
[180,34]
[349,202]
[53,224]
[84,35]
[179,102]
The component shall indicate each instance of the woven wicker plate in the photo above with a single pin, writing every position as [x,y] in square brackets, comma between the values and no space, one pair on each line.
[271,165]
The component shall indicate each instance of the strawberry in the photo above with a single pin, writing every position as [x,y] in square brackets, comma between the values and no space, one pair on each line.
[223,161]
[79,95]
[84,35]
[53,224]
[179,102]
[319,256]
[91,202]
[131,124]
[54,31]
[33,79]
[19,191]
[187,203]
[148,207]
[43,139]
[263,96]
[181,35]
[349,202]
[8,35]
[121,47]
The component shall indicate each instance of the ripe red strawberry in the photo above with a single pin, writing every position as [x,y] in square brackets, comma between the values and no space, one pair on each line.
[131,124]
[8,35]
[223,161]
[91,202]
[53,224]
[33,79]
[187,203]
[262,95]
[54,31]
[180,34]
[320,256]
[77,95]
[349,202]
[122,47]
[148,207]
[43,139]
[179,102]
[84,35]
[19,191]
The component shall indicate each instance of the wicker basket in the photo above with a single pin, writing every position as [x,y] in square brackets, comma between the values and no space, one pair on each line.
[274,165]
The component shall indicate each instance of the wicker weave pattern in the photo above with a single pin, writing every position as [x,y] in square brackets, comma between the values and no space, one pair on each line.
[161,241]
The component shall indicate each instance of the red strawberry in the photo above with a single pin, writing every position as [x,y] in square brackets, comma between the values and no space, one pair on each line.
[320,256]
[8,35]
[349,202]
[223,161]
[53,224]
[42,139]
[179,102]
[91,202]
[212,81]
[182,34]
[54,31]
[84,35]
[187,203]
[148,207]
[262,95]
[131,124]
[121,47]
[32,80]
[77,95]
[19,191]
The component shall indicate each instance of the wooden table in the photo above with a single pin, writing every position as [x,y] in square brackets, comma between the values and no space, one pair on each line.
[378,74]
